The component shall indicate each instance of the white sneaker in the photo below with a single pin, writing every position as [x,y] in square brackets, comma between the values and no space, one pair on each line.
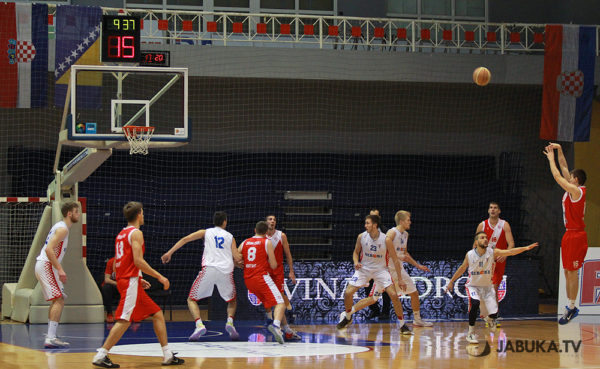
[55,343]
[471,338]
[233,334]
[422,323]
[198,332]
[276,331]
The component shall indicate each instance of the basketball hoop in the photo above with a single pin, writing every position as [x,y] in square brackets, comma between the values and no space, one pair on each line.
[139,138]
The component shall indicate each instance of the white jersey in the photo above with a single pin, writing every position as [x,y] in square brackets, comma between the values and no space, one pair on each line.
[62,246]
[400,242]
[374,252]
[275,238]
[217,249]
[481,268]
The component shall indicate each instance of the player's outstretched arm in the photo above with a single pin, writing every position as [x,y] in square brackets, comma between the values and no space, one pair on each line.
[389,246]
[235,253]
[562,161]
[271,255]
[563,182]
[515,251]
[288,257]
[52,251]
[356,254]
[461,270]
[137,240]
[189,238]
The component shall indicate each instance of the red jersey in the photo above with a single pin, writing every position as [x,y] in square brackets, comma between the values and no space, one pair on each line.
[573,211]
[496,235]
[125,268]
[256,259]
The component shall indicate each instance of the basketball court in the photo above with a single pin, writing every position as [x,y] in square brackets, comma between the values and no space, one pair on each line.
[374,345]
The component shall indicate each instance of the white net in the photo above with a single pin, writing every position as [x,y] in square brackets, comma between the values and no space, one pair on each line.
[18,224]
[139,138]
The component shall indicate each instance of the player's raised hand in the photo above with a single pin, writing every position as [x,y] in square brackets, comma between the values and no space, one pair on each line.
[549,152]
[553,146]
[165,282]
[165,258]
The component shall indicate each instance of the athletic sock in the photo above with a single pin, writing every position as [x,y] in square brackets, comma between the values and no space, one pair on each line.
[277,323]
[571,304]
[52,325]
[230,320]
[401,322]
[199,322]
[167,352]
[102,352]
[471,328]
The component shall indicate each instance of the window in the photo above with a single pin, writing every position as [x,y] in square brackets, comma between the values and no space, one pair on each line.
[470,8]
[436,7]
[402,6]
[278,4]
[316,4]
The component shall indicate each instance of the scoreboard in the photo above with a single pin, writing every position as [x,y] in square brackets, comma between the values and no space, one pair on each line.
[121,39]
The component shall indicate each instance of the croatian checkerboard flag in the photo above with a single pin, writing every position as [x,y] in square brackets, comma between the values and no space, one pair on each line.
[568,89]
[23,55]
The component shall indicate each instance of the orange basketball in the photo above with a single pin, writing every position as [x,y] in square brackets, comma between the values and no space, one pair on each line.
[482,76]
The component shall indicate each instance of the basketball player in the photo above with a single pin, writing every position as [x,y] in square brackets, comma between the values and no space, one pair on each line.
[370,262]
[50,273]
[500,236]
[135,303]
[259,261]
[281,246]
[398,238]
[480,262]
[574,243]
[374,311]
[220,250]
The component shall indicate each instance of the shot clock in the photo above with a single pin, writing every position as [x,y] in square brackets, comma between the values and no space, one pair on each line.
[120,39]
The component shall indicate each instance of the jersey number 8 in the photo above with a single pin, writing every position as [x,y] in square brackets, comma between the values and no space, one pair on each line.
[251,253]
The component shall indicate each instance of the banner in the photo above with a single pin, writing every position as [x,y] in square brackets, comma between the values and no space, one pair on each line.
[568,89]
[24,59]
[78,42]
[318,294]
[588,299]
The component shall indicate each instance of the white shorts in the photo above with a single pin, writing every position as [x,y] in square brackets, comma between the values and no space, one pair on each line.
[362,277]
[377,290]
[205,283]
[47,275]
[486,296]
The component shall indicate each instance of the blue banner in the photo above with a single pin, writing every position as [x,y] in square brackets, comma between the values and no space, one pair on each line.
[318,295]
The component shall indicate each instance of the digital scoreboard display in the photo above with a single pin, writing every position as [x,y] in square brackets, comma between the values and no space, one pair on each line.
[155,58]
[121,39]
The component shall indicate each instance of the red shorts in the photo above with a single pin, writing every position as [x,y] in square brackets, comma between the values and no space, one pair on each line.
[279,280]
[265,289]
[498,272]
[573,248]
[135,304]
